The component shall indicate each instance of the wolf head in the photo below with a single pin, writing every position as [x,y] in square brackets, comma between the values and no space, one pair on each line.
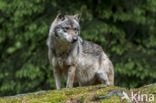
[66,27]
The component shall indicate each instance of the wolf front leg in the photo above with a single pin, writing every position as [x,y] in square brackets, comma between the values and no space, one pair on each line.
[57,77]
[71,76]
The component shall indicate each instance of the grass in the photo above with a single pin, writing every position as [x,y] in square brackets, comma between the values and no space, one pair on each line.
[78,95]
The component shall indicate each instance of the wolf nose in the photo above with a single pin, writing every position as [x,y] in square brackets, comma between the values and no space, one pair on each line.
[75,38]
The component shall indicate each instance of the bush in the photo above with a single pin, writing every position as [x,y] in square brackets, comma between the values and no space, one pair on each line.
[125,29]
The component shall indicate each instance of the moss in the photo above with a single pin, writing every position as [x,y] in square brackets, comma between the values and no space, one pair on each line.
[77,95]
[114,99]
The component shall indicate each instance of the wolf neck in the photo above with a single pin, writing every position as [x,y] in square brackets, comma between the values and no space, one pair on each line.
[61,48]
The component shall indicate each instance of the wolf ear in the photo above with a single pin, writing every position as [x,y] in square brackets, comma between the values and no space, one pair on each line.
[77,17]
[60,16]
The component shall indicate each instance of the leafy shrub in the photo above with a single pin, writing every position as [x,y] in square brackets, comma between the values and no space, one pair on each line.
[124,28]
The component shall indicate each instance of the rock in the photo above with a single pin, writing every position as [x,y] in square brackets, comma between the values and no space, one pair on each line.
[91,94]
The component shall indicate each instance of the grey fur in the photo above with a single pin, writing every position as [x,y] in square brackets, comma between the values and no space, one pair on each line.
[79,60]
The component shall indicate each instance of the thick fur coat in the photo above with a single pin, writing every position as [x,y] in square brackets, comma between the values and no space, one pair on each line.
[79,60]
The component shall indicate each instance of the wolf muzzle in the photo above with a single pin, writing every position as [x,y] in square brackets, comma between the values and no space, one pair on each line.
[74,39]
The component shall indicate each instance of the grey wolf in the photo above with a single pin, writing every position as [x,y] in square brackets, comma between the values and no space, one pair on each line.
[78,60]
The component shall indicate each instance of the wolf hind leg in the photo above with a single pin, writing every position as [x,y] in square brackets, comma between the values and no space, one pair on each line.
[103,78]
[80,84]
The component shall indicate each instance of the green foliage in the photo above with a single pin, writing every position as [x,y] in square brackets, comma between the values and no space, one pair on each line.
[124,28]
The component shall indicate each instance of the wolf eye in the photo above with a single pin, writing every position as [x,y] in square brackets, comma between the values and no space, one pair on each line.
[75,29]
[67,28]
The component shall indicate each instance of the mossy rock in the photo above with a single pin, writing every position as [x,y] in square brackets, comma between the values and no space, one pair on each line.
[78,95]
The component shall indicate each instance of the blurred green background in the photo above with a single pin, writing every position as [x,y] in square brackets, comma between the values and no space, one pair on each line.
[126,29]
